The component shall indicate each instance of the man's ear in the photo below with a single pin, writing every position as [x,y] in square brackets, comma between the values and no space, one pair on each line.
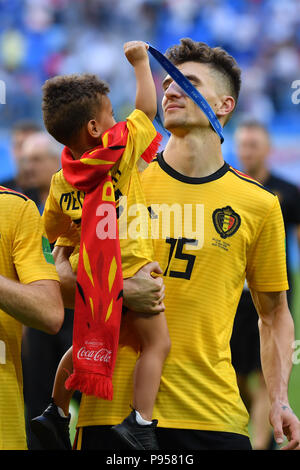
[226,107]
[94,129]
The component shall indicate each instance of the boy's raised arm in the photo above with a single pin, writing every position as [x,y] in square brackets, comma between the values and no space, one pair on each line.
[137,55]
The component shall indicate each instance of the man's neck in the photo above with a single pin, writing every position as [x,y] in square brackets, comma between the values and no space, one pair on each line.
[195,155]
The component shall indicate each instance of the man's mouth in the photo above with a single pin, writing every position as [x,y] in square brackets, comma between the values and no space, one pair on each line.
[172,106]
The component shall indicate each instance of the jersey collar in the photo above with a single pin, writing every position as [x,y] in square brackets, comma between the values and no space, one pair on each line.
[189,179]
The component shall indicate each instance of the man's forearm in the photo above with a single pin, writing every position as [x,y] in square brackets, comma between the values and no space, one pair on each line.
[276,355]
[276,328]
[276,340]
[37,305]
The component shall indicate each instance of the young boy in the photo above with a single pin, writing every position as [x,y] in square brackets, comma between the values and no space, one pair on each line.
[78,113]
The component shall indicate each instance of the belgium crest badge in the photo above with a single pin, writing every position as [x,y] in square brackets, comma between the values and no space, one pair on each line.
[226,221]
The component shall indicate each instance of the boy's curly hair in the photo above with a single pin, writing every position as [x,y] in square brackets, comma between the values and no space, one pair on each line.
[69,102]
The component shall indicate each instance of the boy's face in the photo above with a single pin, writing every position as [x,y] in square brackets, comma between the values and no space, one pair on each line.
[105,117]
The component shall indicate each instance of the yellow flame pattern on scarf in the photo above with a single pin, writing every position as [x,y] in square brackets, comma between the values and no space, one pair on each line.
[95,161]
[111,278]
[87,266]
[92,307]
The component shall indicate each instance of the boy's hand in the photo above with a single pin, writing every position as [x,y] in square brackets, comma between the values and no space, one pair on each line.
[136,52]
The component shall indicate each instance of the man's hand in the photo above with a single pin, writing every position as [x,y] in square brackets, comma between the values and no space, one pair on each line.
[136,51]
[143,293]
[285,423]
[276,329]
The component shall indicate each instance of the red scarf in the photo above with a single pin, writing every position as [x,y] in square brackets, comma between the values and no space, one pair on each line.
[98,300]
[99,290]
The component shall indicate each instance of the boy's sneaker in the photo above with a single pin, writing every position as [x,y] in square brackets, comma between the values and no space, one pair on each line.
[137,436]
[51,429]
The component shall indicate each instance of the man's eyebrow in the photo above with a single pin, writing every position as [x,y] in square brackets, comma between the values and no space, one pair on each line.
[190,77]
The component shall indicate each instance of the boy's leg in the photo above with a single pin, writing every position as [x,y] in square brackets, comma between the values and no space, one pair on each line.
[138,429]
[52,427]
[153,335]
[61,396]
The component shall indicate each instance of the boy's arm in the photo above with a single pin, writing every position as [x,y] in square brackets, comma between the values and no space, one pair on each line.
[67,277]
[136,53]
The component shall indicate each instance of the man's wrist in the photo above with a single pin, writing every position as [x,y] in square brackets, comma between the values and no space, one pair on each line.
[280,401]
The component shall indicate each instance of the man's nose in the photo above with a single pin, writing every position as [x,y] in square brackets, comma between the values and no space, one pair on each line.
[174,89]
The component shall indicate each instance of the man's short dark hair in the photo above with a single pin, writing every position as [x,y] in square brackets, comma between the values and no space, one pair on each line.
[253,124]
[26,125]
[216,57]
[70,102]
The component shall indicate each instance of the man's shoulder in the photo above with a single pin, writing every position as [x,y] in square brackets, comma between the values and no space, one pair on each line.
[11,184]
[11,197]
[15,207]
[245,184]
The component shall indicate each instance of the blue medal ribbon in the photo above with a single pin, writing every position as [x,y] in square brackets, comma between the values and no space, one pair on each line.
[189,89]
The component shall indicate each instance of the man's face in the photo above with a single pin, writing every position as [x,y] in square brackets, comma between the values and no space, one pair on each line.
[37,166]
[180,111]
[253,148]
[18,138]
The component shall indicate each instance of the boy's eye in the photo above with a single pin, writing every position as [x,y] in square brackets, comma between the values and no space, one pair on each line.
[112,113]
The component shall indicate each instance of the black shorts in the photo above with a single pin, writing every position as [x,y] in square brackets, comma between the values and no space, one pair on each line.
[245,348]
[102,438]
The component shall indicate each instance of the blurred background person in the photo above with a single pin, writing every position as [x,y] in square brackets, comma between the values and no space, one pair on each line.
[39,160]
[21,130]
[253,145]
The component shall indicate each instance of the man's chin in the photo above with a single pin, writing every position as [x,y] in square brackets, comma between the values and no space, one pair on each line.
[172,125]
